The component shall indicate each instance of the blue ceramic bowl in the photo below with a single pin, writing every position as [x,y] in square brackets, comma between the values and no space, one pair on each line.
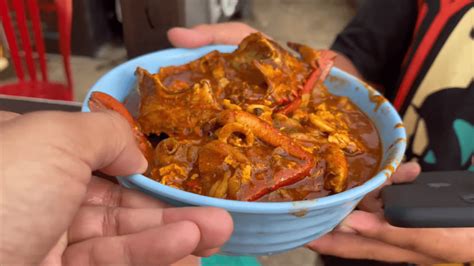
[273,227]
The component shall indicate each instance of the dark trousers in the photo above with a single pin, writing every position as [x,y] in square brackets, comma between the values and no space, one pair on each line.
[336,261]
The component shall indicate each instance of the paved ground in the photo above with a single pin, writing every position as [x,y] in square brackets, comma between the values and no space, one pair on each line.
[313,22]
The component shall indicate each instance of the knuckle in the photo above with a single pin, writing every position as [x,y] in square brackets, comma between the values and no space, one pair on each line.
[113,196]
[118,124]
[110,223]
[117,132]
[120,129]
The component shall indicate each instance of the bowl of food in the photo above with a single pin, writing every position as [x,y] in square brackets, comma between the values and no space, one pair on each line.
[286,143]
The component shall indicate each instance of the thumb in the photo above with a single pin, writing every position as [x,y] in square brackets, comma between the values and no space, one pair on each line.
[105,142]
[364,223]
[88,141]
[407,172]
[223,33]
[189,38]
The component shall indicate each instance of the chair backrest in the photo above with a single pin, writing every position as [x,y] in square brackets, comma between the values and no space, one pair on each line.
[63,9]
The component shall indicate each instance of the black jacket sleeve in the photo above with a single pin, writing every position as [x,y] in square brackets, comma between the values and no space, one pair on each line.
[378,37]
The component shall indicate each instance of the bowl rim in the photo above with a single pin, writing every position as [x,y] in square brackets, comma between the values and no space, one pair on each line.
[356,193]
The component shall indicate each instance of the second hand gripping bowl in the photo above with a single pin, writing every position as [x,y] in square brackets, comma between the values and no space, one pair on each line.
[288,144]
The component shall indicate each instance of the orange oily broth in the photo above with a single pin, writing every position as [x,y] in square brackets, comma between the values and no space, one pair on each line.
[361,167]
[247,87]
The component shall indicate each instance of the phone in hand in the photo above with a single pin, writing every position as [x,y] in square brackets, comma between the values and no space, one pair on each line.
[434,199]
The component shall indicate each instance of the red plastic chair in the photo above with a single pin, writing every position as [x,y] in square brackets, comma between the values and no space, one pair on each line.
[32,86]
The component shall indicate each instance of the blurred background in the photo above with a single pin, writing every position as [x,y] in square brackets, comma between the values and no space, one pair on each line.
[103,34]
[106,33]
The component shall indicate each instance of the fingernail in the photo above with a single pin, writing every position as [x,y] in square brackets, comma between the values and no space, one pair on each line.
[413,167]
[345,229]
[347,224]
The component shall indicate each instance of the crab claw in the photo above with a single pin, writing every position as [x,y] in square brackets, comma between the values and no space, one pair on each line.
[100,101]
[322,61]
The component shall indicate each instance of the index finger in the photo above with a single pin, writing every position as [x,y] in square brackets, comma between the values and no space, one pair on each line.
[407,172]
[359,247]
[450,244]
